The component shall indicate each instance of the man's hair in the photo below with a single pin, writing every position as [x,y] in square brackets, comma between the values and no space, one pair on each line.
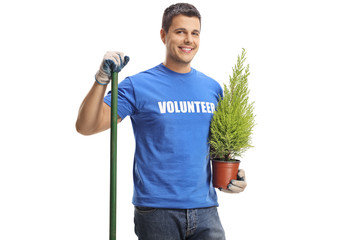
[178,9]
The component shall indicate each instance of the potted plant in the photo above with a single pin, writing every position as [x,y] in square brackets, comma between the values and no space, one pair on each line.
[231,126]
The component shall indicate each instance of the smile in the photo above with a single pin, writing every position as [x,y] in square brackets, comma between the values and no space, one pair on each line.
[186,49]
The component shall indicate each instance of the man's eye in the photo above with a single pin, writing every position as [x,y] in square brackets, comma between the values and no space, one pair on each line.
[196,34]
[179,32]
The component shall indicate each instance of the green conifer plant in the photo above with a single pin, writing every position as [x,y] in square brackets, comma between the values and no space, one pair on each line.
[233,121]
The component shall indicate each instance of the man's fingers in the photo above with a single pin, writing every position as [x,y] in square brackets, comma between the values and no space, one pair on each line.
[226,190]
[118,56]
[115,56]
[239,184]
[121,54]
[241,175]
[236,187]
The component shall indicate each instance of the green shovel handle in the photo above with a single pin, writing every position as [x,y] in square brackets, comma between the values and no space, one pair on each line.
[113,155]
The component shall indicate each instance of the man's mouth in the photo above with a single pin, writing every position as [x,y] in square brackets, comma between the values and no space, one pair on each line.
[186,49]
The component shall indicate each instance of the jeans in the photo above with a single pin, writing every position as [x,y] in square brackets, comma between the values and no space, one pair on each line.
[178,224]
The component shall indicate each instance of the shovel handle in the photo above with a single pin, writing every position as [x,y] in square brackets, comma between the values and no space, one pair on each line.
[113,155]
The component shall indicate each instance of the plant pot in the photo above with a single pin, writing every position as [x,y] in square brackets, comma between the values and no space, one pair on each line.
[224,172]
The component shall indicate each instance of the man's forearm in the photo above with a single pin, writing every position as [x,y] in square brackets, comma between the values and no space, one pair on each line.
[91,110]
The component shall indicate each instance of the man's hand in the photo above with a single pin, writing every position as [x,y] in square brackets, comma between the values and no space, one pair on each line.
[238,185]
[112,61]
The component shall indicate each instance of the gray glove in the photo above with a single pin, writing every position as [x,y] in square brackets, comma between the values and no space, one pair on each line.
[238,185]
[112,62]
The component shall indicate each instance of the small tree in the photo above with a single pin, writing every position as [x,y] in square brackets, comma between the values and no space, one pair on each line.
[233,121]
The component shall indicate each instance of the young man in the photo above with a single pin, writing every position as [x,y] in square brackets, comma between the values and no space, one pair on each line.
[170,106]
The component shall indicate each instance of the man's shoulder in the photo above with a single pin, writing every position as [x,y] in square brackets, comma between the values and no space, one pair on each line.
[207,78]
[150,71]
[203,75]
[146,78]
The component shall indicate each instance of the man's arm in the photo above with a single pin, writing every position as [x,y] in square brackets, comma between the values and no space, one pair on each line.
[94,114]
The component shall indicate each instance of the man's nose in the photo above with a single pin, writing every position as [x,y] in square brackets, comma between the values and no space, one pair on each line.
[189,38]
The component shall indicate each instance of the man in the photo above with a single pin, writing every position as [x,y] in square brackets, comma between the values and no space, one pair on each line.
[170,106]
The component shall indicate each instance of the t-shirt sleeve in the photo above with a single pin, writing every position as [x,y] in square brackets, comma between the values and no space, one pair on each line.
[126,98]
[220,90]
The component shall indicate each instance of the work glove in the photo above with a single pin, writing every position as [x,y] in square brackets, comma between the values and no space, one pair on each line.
[112,62]
[238,185]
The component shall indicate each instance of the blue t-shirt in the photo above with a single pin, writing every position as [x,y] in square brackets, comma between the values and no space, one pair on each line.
[170,114]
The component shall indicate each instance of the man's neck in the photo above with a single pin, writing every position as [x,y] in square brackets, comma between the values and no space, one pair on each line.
[178,67]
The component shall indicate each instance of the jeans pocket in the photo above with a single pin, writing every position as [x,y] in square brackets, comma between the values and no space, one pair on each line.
[145,210]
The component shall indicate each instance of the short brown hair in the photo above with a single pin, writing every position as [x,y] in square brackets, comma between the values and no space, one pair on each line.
[178,9]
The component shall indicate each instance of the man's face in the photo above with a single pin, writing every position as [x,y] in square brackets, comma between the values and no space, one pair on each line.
[182,40]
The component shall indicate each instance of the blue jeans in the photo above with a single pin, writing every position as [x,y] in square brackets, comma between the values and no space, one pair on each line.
[178,224]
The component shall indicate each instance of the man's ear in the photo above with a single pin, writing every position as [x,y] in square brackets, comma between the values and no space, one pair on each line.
[162,35]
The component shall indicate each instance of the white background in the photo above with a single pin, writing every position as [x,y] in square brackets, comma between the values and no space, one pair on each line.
[303,173]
